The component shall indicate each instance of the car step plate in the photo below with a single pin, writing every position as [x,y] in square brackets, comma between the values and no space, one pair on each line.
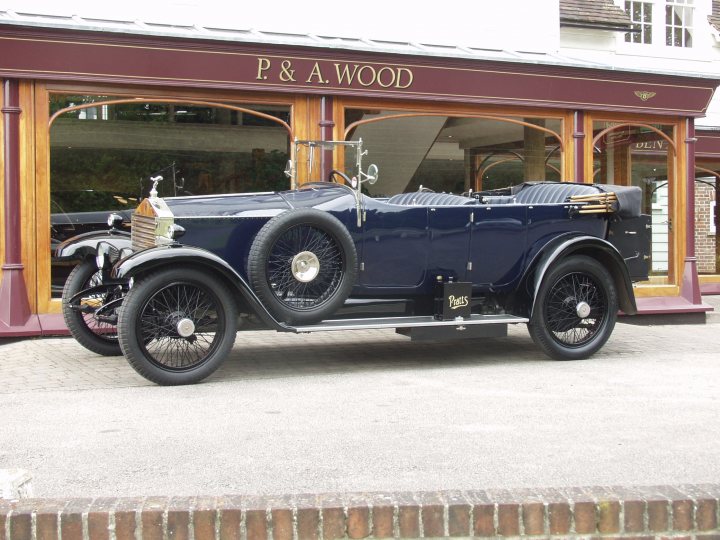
[405,322]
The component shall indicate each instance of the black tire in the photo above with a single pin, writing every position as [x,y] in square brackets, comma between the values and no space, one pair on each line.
[306,237]
[572,288]
[97,336]
[156,311]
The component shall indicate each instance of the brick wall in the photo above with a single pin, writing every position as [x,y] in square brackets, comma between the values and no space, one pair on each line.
[654,512]
[704,241]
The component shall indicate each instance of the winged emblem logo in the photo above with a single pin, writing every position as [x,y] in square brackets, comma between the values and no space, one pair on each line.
[644,94]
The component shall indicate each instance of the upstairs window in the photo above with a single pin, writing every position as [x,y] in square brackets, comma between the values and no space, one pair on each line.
[678,27]
[678,23]
[641,15]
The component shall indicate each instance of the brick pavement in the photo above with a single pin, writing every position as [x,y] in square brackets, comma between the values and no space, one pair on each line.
[682,512]
[61,364]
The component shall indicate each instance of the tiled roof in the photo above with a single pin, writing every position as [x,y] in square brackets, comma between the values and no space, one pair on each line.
[601,14]
[714,18]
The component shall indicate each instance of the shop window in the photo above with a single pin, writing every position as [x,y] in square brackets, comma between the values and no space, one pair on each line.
[644,156]
[707,224]
[455,153]
[103,154]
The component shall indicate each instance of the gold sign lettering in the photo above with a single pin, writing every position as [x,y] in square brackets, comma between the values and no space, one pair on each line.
[263,66]
[409,78]
[286,73]
[386,77]
[651,145]
[344,75]
[369,79]
[317,73]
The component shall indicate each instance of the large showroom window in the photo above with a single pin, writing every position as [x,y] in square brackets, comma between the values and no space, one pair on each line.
[642,155]
[455,153]
[105,149]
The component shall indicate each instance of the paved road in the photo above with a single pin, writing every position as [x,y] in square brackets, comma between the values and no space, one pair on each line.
[368,411]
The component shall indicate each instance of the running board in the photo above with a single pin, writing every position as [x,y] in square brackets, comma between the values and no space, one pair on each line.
[405,322]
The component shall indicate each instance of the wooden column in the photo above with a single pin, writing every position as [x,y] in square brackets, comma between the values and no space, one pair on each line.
[690,286]
[326,124]
[15,315]
[534,142]
[579,146]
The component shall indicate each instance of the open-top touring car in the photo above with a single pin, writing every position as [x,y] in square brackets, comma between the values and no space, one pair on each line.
[171,295]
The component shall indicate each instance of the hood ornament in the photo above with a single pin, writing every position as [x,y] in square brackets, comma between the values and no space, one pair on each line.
[153,190]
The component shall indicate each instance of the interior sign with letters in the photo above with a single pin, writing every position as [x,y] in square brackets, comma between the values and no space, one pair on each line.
[334,74]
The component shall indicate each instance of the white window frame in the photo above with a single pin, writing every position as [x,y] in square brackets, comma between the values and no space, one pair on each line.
[657,48]
[646,27]
[686,11]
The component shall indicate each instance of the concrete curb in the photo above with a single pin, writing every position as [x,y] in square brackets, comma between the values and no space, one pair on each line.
[689,511]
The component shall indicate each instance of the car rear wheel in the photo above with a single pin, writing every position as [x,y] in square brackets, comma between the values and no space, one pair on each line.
[575,309]
[177,326]
[80,316]
[302,266]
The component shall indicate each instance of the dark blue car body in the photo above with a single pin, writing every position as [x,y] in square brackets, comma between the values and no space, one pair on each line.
[560,257]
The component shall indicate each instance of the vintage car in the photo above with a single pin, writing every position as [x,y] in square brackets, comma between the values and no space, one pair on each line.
[560,257]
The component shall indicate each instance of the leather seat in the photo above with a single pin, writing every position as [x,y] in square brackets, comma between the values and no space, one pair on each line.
[428,198]
[551,193]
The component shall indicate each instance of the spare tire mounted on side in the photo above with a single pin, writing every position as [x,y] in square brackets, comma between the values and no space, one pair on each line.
[302,265]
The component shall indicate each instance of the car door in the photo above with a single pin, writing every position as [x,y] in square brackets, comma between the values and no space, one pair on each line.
[394,247]
[450,231]
[498,244]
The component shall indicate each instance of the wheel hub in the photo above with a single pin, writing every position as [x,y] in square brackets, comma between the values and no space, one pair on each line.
[185,327]
[583,310]
[305,266]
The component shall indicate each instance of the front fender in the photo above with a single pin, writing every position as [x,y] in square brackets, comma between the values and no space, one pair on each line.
[177,255]
[597,248]
[85,245]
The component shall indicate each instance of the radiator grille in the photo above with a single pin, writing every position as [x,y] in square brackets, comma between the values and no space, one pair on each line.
[142,233]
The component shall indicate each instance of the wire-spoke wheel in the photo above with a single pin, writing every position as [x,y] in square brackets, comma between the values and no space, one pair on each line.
[91,331]
[575,309]
[302,265]
[177,326]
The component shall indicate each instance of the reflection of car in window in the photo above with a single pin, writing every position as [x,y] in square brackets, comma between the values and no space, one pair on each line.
[80,212]
[559,257]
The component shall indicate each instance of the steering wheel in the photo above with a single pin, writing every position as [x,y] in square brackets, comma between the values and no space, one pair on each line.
[332,177]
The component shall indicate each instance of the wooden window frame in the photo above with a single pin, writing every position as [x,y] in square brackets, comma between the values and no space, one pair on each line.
[35,159]
[677,194]
[462,110]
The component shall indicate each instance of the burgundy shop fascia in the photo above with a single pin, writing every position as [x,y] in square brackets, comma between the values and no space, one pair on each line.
[326,76]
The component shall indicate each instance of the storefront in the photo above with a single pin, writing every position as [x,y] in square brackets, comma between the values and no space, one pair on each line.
[90,116]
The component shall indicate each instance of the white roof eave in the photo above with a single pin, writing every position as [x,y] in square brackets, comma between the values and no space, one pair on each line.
[251,36]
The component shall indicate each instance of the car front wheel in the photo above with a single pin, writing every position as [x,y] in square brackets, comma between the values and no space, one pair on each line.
[575,309]
[177,326]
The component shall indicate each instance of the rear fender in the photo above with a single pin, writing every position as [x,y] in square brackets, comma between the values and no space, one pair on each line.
[85,245]
[177,255]
[601,250]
